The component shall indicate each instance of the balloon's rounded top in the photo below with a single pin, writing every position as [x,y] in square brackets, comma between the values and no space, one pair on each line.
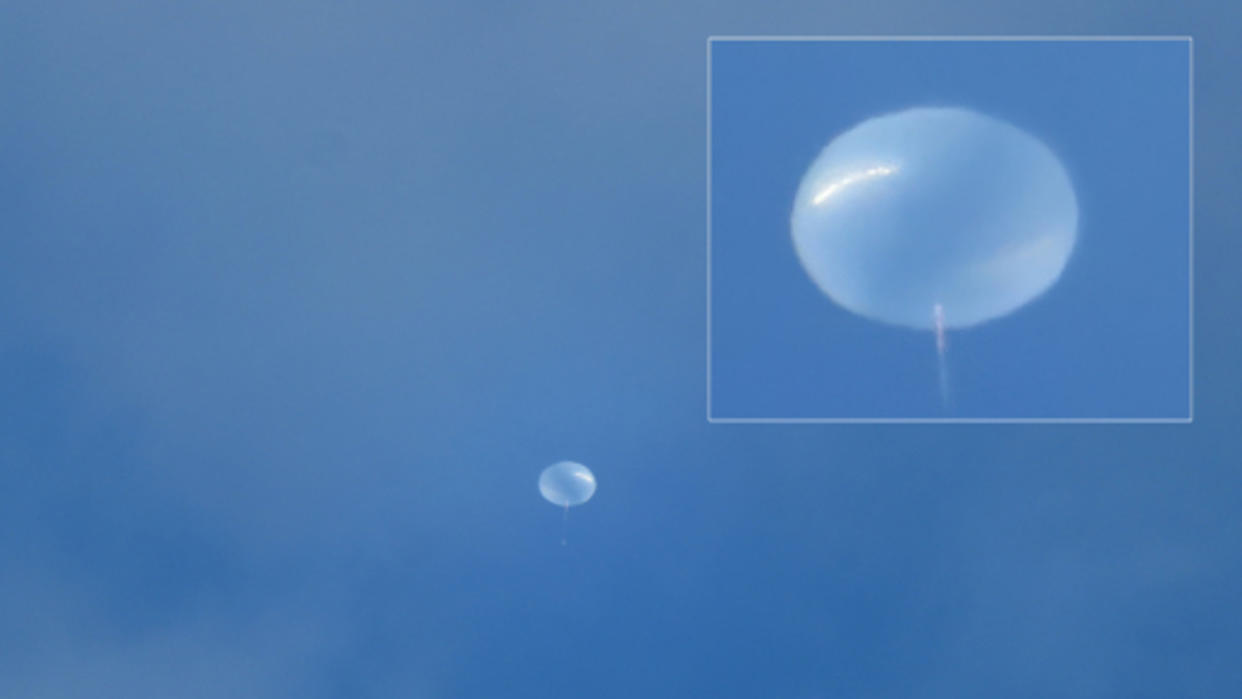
[934,206]
[567,483]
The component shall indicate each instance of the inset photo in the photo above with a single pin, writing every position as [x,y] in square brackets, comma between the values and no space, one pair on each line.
[950,229]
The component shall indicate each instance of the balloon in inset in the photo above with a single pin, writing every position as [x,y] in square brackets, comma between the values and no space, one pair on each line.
[934,207]
[567,483]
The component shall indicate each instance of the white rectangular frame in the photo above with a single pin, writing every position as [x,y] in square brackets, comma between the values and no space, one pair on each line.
[999,38]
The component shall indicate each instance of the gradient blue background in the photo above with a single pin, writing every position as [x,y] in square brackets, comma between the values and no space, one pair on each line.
[1111,339]
[298,298]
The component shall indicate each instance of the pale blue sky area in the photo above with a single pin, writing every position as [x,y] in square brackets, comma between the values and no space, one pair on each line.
[1111,339]
[298,299]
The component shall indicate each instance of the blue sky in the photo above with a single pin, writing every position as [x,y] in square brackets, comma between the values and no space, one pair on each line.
[1111,339]
[299,298]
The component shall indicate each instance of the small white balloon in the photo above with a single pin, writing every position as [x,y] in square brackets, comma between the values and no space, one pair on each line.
[567,483]
[935,208]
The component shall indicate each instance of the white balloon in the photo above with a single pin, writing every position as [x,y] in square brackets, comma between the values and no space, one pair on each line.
[567,483]
[934,207]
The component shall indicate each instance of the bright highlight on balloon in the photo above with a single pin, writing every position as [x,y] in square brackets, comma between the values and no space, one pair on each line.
[849,179]
[934,218]
[566,483]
